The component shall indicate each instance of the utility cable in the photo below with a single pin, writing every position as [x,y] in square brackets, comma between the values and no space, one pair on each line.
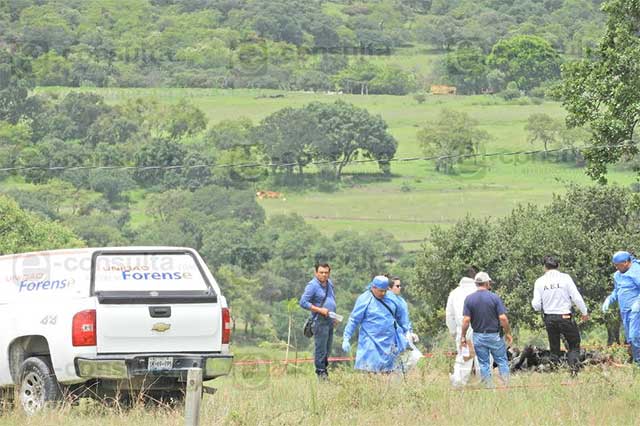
[316,163]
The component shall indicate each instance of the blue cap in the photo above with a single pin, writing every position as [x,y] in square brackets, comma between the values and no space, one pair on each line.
[621,256]
[380,282]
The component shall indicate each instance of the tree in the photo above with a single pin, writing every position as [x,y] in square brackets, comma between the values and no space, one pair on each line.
[332,64]
[482,30]
[34,162]
[233,242]
[293,244]
[228,134]
[13,138]
[417,6]
[357,77]
[311,79]
[153,160]
[98,230]
[466,69]
[15,83]
[233,143]
[603,90]
[163,205]
[392,80]
[112,128]
[76,114]
[453,135]
[170,233]
[573,140]
[543,128]
[288,137]
[443,32]
[218,203]
[527,60]
[55,199]
[347,131]
[21,231]
[111,183]
[52,69]
[238,177]
[47,28]
[184,119]
[245,301]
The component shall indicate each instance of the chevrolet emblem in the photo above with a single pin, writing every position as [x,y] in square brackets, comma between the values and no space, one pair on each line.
[161,327]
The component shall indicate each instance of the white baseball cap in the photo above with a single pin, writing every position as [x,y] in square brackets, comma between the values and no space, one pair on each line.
[482,277]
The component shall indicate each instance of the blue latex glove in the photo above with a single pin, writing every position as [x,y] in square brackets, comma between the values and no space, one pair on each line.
[346,346]
[636,306]
[606,304]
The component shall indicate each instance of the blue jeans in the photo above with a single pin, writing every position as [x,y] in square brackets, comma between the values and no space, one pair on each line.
[486,344]
[631,323]
[323,339]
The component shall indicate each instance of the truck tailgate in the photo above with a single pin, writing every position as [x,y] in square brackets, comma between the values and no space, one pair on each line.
[130,328]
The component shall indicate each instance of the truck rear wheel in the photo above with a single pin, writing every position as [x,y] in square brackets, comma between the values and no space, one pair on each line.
[38,385]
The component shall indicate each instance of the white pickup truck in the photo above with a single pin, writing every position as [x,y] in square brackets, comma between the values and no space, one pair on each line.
[108,321]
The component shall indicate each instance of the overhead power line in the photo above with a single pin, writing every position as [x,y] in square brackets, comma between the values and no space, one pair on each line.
[317,163]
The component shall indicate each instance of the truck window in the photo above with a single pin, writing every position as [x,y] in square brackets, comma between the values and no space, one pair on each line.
[118,272]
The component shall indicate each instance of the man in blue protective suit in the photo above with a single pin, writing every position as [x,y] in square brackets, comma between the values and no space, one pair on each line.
[626,292]
[382,323]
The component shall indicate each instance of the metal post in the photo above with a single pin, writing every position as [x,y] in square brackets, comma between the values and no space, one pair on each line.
[193,397]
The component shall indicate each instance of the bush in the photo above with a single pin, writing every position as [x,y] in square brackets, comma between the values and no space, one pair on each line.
[582,228]
[522,100]
[538,92]
[327,186]
[511,92]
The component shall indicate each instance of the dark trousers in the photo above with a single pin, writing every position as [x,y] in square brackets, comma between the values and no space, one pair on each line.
[323,339]
[564,325]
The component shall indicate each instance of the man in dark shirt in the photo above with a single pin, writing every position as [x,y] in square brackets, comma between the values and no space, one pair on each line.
[485,312]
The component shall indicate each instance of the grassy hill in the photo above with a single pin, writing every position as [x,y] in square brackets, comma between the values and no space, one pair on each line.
[416,197]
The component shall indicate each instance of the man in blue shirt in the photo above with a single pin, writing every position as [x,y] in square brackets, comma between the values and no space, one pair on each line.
[319,298]
[485,312]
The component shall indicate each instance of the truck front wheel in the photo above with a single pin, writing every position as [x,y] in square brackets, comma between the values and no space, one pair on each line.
[38,385]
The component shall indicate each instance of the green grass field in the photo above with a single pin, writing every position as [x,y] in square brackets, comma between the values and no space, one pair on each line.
[415,197]
[599,395]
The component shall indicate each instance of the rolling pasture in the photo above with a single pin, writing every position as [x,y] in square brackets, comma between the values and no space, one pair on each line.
[415,197]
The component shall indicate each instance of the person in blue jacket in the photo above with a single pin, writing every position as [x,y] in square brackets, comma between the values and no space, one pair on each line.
[382,323]
[626,292]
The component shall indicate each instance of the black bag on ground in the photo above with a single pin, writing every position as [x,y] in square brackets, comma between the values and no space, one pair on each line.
[307,328]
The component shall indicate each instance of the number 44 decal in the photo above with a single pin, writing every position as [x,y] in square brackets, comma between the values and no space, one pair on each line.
[49,320]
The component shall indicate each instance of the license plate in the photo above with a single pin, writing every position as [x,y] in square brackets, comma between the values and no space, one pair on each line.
[160,363]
